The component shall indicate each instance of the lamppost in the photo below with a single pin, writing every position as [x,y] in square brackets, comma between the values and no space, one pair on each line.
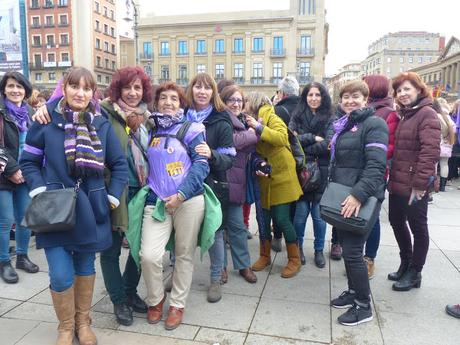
[130,3]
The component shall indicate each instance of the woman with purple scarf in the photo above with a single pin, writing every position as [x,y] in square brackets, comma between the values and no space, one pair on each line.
[14,198]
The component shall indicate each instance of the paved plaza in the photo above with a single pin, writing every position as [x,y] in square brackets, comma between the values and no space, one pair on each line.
[275,310]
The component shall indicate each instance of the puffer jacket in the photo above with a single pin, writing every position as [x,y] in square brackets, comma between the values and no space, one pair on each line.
[416,149]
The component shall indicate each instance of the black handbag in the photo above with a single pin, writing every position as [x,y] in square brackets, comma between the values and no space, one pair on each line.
[330,208]
[52,211]
[310,177]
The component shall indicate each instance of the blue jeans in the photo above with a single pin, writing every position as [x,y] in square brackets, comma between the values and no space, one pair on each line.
[238,238]
[303,209]
[13,206]
[216,256]
[373,241]
[64,265]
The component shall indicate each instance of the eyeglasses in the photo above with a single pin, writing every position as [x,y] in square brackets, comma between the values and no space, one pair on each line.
[235,100]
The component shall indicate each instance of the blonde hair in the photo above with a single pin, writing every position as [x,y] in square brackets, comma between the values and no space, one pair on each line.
[255,101]
[441,106]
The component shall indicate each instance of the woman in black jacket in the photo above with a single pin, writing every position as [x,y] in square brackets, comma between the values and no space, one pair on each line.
[358,160]
[14,197]
[312,124]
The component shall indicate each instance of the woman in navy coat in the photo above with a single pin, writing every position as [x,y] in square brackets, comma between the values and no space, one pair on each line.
[56,157]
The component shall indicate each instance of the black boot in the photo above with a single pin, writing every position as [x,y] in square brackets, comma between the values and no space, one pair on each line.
[23,263]
[320,262]
[410,279]
[8,273]
[442,184]
[395,276]
[123,313]
[303,261]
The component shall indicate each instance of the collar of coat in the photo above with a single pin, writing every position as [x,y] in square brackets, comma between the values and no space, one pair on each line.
[411,111]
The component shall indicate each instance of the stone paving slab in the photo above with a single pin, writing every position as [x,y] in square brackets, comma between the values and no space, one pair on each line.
[257,339]
[213,336]
[8,304]
[12,331]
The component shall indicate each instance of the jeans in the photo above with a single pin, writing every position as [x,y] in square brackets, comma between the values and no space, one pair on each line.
[217,250]
[334,237]
[352,253]
[64,265]
[118,286]
[373,241]
[399,213]
[238,238]
[282,220]
[13,206]
[303,209]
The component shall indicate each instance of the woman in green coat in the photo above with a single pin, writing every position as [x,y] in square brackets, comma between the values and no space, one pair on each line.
[278,188]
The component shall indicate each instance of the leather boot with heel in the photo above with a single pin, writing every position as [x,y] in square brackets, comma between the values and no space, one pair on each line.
[64,306]
[265,256]
[84,287]
[294,264]
[395,276]
[409,280]
[303,260]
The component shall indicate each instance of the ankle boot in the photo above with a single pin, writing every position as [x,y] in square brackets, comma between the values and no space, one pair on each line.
[265,256]
[442,184]
[395,276]
[303,260]
[64,306]
[84,287]
[411,278]
[294,264]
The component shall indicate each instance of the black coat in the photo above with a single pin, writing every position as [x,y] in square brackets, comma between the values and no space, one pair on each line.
[360,155]
[308,126]
[11,138]
[285,108]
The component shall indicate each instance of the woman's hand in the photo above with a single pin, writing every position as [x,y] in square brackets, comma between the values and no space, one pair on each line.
[173,201]
[203,150]
[415,196]
[350,207]
[261,173]
[17,177]
[41,115]
[318,139]
[252,122]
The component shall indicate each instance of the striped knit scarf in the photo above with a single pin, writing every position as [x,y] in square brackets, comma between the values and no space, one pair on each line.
[82,146]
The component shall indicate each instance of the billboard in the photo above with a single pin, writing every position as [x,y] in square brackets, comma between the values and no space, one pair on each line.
[10,36]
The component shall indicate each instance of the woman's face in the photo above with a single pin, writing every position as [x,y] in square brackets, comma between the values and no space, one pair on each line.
[406,93]
[132,93]
[353,101]
[235,103]
[169,102]
[314,98]
[77,96]
[202,94]
[14,91]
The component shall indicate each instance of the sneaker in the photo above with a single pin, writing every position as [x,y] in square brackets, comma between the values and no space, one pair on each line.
[336,252]
[370,267]
[214,292]
[356,315]
[345,300]
[453,310]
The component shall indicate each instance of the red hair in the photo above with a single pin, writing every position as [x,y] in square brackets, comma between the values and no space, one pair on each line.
[126,76]
[170,85]
[412,78]
[379,86]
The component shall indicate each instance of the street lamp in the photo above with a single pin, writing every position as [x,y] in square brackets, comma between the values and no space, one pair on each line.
[130,3]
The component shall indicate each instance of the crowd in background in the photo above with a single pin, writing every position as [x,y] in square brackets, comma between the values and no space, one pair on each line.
[159,168]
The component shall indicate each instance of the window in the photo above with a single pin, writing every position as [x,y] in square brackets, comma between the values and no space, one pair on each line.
[114,65]
[113,49]
[182,48]
[164,48]
[257,44]
[62,3]
[164,72]
[98,61]
[257,73]
[304,71]
[307,7]
[63,20]
[37,41]
[200,68]
[147,50]
[98,43]
[219,46]
[401,59]
[182,73]
[389,59]
[37,60]
[411,59]
[97,7]
[50,41]
[201,47]
[52,76]
[305,44]
[34,4]
[98,26]
[36,22]
[107,79]
[278,70]
[106,29]
[99,78]
[64,38]
[238,70]
[238,45]
[219,71]
[51,57]
[106,46]
[106,63]
[38,77]
[420,59]
[112,31]
[48,3]
[49,21]
[105,11]
[112,15]
[278,46]
[64,56]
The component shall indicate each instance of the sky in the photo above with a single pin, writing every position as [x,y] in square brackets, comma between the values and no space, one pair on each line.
[353,24]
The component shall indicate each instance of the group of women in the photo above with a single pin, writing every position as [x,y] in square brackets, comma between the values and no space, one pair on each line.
[176,177]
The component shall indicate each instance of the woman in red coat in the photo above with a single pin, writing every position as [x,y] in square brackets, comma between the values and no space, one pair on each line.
[416,152]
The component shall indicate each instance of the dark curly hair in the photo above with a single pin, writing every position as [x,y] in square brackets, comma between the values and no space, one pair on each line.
[324,110]
[126,76]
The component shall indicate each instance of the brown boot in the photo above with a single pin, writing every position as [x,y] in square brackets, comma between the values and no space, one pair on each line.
[294,264]
[265,258]
[84,286]
[64,306]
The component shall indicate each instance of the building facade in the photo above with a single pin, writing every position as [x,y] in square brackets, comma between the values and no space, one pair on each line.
[256,49]
[348,72]
[401,51]
[65,33]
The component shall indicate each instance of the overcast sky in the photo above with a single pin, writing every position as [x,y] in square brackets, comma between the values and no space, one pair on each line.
[353,24]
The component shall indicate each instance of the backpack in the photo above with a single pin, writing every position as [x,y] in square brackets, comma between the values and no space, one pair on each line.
[180,135]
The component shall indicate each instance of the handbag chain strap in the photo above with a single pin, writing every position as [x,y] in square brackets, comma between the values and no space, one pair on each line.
[77,184]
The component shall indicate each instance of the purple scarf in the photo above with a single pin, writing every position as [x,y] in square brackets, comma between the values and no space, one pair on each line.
[20,114]
[199,116]
[339,126]
[166,121]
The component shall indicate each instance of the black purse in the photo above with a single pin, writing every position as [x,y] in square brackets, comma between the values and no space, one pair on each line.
[52,211]
[310,177]
[330,208]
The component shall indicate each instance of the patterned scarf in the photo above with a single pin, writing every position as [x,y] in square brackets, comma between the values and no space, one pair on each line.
[82,146]
[166,121]
[339,125]
[199,116]
[20,115]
